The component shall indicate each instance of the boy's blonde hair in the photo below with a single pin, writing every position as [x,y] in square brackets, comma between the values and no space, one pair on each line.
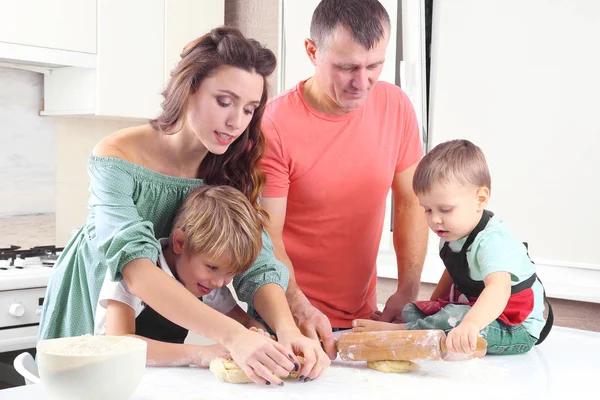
[219,221]
[455,161]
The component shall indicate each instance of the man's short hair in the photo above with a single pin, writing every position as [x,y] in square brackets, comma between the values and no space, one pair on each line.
[456,161]
[219,221]
[367,20]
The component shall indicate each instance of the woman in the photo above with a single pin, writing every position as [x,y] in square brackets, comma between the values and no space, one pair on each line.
[208,132]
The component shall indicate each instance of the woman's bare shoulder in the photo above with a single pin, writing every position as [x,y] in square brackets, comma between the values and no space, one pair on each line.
[127,144]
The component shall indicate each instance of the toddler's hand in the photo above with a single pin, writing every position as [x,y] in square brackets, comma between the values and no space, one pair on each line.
[463,338]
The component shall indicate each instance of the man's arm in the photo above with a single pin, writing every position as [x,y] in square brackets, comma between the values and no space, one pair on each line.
[410,244]
[311,321]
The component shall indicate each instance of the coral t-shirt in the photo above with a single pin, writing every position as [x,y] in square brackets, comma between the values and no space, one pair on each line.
[336,172]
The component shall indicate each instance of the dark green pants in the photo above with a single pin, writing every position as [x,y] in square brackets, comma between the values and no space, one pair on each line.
[501,338]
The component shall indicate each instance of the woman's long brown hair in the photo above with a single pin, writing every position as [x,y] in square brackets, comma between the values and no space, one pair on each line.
[238,166]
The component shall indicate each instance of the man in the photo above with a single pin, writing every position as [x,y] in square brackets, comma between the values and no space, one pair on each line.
[336,144]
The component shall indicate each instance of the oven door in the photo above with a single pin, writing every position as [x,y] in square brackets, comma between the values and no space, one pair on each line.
[20,312]
[14,341]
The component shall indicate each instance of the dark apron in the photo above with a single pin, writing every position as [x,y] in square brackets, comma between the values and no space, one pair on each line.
[152,325]
[520,303]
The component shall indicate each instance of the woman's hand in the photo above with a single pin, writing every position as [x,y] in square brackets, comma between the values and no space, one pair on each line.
[260,357]
[316,361]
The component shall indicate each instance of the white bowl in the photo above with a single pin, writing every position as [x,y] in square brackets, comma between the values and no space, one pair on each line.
[91,367]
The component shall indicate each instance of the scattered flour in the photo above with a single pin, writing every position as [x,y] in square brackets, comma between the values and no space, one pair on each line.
[452,321]
[527,375]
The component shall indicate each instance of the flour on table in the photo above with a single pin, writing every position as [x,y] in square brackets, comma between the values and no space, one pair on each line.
[353,380]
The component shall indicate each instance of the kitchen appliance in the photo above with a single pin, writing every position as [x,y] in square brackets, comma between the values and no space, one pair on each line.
[24,275]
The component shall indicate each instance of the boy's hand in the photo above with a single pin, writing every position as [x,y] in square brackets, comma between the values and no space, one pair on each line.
[206,354]
[463,338]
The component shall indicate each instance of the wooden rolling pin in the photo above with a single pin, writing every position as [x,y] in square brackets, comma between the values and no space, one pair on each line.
[396,345]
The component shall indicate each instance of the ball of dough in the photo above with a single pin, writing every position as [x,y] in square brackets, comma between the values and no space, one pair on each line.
[227,370]
[393,366]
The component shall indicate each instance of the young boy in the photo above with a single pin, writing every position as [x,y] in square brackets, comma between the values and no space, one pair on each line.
[216,234]
[489,286]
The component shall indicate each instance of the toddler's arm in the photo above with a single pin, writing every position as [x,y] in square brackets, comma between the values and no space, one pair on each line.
[442,290]
[489,305]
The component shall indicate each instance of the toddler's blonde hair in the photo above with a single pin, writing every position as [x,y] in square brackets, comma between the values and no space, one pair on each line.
[456,161]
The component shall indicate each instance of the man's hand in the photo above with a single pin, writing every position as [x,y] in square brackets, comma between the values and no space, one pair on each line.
[315,325]
[393,307]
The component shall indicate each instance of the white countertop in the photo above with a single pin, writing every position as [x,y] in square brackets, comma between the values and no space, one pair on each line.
[565,364]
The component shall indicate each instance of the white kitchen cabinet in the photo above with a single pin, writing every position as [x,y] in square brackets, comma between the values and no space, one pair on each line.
[186,20]
[139,42]
[129,75]
[56,24]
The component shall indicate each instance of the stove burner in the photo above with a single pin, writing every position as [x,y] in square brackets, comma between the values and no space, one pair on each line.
[16,258]
[11,248]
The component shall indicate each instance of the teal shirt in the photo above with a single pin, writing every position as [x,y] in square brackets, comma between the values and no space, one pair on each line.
[495,249]
[129,208]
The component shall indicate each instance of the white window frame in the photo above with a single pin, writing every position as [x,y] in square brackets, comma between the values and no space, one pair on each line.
[413,82]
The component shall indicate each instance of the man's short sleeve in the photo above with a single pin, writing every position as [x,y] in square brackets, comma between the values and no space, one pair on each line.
[274,163]
[411,149]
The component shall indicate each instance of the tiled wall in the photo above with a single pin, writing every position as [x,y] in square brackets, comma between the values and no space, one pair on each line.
[27,146]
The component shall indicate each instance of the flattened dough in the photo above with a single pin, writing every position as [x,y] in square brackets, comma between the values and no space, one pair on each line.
[393,366]
[227,370]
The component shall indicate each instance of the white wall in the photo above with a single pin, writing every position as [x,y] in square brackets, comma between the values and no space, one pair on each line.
[27,146]
[521,80]
[76,137]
